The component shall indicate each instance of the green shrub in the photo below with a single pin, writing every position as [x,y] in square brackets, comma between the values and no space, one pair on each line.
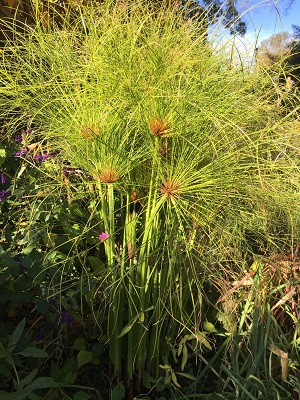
[180,167]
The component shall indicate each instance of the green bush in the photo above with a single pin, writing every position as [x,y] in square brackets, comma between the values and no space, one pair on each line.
[160,167]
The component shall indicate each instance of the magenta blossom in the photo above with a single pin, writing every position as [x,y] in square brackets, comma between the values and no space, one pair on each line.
[103,236]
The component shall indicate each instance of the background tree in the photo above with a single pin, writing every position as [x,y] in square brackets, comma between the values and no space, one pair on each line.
[294,58]
[206,11]
[214,11]
[273,49]
[282,48]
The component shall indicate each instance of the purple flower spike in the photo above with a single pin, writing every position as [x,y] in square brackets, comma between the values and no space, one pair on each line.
[3,179]
[18,139]
[4,194]
[103,236]
[66,318]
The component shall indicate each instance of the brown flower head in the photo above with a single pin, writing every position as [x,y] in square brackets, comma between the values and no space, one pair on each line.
[89,132]
[170,189]
[107,175]
[159,127]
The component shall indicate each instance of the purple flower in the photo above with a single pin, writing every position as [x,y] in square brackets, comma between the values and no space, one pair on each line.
[3,194]
[40,335]
[42,158]
[66,318]
[103,236]
[20,264]
[18,138]
[46,156]
[3,179]
[21,153]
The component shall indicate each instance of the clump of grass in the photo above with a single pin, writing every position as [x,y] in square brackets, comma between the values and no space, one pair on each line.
[190,161]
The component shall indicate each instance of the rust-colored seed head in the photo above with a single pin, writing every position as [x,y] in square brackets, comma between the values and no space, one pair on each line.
[107,175]
[89,133]
[170,189]
[133,196]
[159,127]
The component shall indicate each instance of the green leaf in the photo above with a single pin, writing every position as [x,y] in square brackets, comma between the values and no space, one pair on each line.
[167,380]
[28,379]
[118,392]
[29,249]
[9,359]
[15,337]
[128,327]
[97,349]
[43,382]
[185,375]
[42,306]
[2,156]
[33,396]
[200,336]
[209,327]
[39,383]
[184,357]
[182,342]
[33,352]
[56,373]
[3,351]
[82,396]
[79,344]
[148,381]
[83,357]
[174,379]
[167,367]
[70,378]
[16,396]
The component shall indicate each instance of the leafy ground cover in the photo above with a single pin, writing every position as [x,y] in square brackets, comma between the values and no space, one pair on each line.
[149,213]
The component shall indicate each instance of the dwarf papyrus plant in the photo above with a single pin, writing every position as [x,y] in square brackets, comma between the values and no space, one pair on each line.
[188,159]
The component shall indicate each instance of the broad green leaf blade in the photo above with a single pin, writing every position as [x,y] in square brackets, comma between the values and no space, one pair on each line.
[185,375]
[184,357]
[28,379]
[3,351]
[15,337]
[209,327]
[118,392]
[39,383]
[33,352]
[82,396]
[201,338]
[42,383]
[79,344]
[167,367]
[83,357]
[174,379]
[128,327]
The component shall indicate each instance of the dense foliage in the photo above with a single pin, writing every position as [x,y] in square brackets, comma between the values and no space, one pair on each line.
[150,195]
